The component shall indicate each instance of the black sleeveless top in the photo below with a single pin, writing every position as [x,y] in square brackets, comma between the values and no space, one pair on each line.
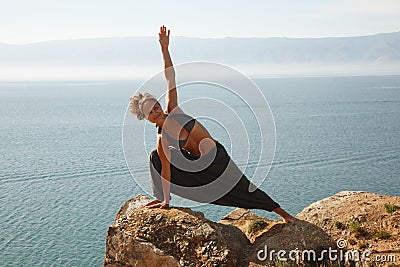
[186,122]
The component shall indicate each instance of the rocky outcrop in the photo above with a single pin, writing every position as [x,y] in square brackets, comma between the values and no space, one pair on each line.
[181,237]
[364,220]
[170,237]
[276,236]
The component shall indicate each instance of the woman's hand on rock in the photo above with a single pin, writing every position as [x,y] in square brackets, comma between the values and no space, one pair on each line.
[157,204]
[155,201]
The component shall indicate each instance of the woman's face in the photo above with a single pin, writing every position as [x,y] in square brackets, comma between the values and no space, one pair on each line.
[152,111]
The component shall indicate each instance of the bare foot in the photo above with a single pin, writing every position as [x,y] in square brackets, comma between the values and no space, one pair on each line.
[287,218]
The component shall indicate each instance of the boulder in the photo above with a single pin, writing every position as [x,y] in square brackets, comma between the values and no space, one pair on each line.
[276,236]
[181,237]
[170,237]
[363,220]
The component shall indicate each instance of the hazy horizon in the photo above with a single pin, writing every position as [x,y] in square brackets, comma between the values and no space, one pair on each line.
[139,57]
[194,37]
[52,40]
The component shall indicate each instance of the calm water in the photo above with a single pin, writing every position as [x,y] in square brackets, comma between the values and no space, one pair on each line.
[63,173]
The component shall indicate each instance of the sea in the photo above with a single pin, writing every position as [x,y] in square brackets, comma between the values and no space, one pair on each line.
[64,174]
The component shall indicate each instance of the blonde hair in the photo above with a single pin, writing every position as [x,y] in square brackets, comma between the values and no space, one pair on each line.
[136,103]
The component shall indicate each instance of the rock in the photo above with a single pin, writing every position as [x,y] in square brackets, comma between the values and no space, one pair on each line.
[367,209]
[182,237]
[170,237]
[126,250]
[242,218]
[277,236]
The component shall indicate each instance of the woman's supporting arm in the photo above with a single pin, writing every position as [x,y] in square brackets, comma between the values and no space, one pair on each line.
[169,72]
[165,155]
[165,174]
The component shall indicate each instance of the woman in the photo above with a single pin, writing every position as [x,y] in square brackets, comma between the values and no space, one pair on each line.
[187,158]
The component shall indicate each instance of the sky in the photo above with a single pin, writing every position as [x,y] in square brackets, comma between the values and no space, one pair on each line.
[26,21]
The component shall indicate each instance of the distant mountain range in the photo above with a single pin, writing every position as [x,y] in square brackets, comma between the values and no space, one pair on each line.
[379,50]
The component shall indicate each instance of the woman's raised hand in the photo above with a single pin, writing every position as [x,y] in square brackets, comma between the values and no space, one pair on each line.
[164,37]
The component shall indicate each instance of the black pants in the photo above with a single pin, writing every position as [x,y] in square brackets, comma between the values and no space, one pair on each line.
[221,183]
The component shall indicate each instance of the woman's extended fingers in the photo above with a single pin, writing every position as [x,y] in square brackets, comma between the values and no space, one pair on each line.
[163,37]
[152,206]
[161,205]
[155,201]
[157,205]
[163,31]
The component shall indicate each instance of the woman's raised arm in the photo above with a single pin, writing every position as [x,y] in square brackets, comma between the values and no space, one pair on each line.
[172,97]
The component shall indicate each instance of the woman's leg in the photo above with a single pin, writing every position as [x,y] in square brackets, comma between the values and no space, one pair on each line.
[238,196]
